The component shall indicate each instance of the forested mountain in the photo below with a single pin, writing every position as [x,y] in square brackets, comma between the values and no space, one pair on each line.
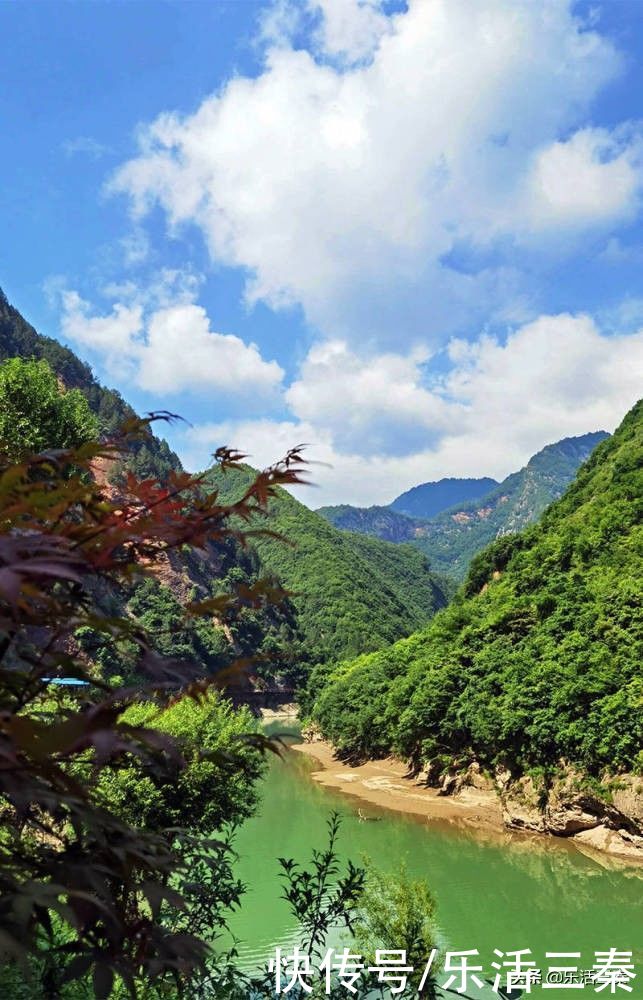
[270,634]
[429,499]
[452,538]
[398,521]
[380,522]
[19,339]
[352,593]
[538,659]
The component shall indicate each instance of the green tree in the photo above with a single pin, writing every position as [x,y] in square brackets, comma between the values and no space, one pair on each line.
[86,893]
[37,412]
[396,912]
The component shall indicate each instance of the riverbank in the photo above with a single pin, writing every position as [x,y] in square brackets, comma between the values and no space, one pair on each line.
[386,784]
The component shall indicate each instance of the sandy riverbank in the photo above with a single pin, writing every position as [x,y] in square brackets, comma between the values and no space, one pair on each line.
[384,783]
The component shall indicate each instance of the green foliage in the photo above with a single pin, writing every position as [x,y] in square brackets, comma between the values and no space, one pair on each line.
[352,593]
[148,456]
[36,413]
[537,659]
[397,912]
[212,784]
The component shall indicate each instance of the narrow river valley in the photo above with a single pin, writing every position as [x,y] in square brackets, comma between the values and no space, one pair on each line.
[504,891]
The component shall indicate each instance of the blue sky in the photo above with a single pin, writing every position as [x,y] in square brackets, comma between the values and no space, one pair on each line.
[408,234]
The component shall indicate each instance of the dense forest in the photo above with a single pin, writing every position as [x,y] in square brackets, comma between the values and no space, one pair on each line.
[352,593]
[538,657]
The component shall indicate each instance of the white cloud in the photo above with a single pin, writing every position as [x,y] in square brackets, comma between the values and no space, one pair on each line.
[135,247]
[592,174]
[497,405]
[372,405]
[349,29]
[160,340]
[346,189]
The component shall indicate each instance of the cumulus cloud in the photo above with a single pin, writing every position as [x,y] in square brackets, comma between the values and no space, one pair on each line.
[495,405]
[593,174]
[375,405]
[450,127]
[349,29]
[161,340]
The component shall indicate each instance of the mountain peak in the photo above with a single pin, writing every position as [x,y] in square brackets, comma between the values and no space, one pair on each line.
[429,499]
[568,448]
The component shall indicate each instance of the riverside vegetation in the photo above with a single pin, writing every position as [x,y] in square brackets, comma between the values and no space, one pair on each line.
[535,666]
[158,590]
[118,797]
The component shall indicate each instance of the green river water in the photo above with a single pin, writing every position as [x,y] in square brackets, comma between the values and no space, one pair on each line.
[511,893]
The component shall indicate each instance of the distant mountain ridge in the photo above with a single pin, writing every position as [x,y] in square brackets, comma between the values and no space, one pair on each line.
[379,522]
[429,499]
[451,538]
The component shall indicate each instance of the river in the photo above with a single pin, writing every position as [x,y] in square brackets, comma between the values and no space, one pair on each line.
[508,892]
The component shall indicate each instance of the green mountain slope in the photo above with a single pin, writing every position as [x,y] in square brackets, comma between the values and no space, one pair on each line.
[429,499]
[271,631]
[537,660]
[380,522]
[452,538]
[352,593]
[19,339]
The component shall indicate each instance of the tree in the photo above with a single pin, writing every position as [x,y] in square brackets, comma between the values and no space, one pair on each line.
[84,892]
[36,412]
[398,912]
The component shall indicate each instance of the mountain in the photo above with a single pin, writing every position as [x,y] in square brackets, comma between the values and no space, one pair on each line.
[158,602]
[18,338]
[380,522]
[451,538]
[352,593]
[429,499]
[535,668]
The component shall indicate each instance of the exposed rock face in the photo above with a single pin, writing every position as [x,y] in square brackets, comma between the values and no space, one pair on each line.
[611,821]
[521,803]
[627,799]
[616,842]
[608,819]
